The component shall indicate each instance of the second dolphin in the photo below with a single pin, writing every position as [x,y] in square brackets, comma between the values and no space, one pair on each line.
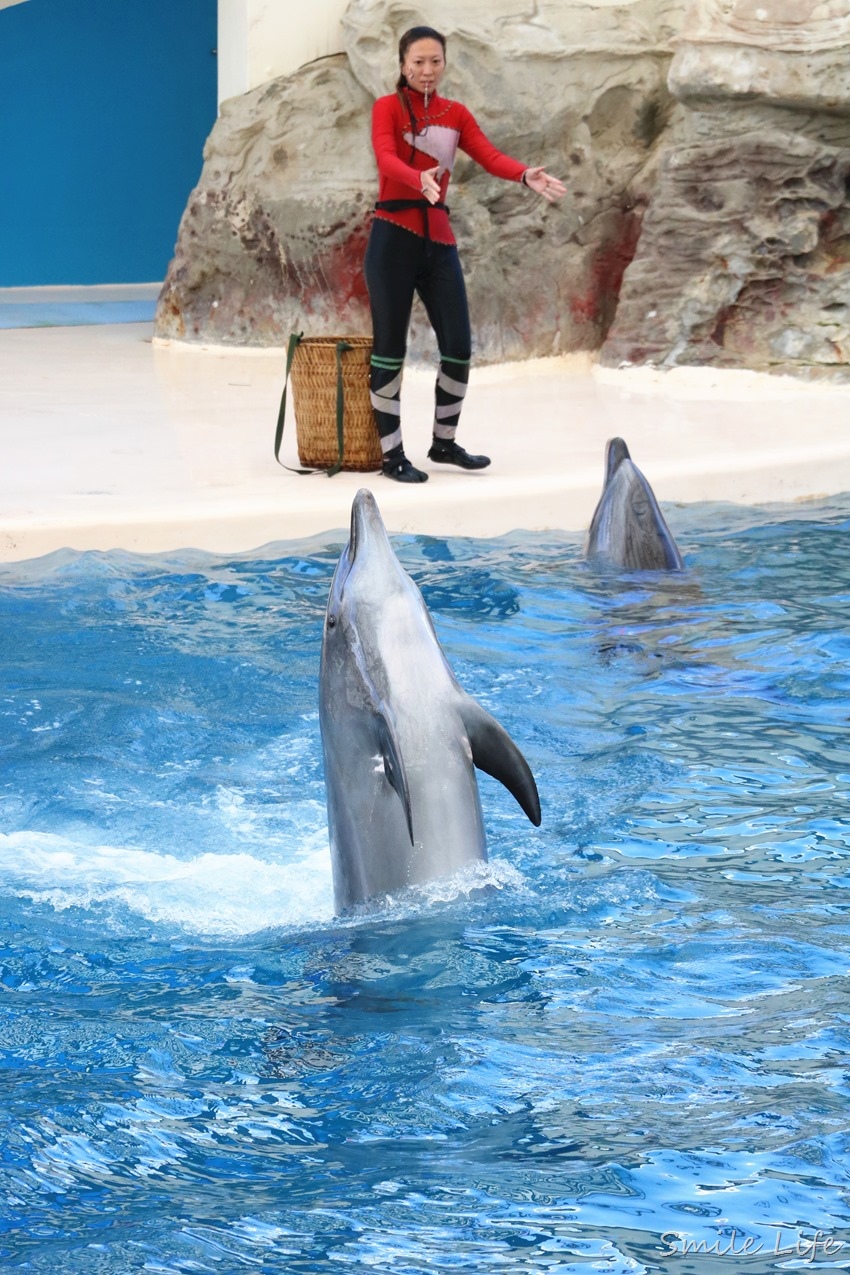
[627,528]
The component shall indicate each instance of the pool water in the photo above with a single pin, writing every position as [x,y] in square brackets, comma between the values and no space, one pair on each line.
[620,1046]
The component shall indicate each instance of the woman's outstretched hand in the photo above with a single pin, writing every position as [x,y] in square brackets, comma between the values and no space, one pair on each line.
[429,184]
[538,180]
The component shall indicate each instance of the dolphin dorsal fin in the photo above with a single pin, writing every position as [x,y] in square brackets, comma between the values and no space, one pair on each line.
[393,765]
[494,752]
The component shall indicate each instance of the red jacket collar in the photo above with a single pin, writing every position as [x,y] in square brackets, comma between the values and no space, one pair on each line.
[417,101]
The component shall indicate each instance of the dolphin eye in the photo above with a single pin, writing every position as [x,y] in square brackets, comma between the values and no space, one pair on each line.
[331,621]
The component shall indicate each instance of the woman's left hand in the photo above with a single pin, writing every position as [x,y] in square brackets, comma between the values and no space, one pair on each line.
[542,183]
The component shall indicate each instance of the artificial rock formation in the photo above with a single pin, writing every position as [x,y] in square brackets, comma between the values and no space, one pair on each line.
[706,151]
[744,256]
[273,236]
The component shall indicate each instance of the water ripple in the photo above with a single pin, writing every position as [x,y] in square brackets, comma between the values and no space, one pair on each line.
[622,1045]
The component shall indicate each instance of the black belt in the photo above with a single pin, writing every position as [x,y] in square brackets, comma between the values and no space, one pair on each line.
[401,205]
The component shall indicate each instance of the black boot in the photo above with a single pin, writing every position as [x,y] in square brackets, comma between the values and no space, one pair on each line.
[447,452]
[399,468]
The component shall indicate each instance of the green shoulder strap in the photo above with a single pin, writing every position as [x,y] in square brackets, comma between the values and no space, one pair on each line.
[294,340]
[341,347]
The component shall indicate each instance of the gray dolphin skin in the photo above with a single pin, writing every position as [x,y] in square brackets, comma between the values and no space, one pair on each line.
[627,528]
[401,739]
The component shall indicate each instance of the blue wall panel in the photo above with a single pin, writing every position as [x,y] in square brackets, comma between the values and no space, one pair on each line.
[105,106]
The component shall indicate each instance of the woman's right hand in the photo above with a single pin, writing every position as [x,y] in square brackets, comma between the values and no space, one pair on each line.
[429,184]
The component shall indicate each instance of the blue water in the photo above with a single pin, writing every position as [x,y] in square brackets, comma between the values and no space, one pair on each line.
[71,314]
[622,1046]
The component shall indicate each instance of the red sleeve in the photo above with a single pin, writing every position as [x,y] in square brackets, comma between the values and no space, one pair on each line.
[385,146]
[479,147]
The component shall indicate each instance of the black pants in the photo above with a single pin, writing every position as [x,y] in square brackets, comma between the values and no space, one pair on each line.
[399,264]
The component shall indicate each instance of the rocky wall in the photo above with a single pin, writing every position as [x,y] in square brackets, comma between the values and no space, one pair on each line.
[706,151]
[273,236]
[744,255]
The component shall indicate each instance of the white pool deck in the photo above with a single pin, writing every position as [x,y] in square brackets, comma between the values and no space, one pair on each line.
[111,440]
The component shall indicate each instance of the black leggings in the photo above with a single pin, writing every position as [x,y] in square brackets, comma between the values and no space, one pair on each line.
[399,263]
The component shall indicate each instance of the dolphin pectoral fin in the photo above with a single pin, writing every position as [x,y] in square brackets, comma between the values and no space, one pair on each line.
[494,752]
[394,766]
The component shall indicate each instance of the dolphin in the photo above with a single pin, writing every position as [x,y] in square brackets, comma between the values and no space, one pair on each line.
[401,739]
[628,528]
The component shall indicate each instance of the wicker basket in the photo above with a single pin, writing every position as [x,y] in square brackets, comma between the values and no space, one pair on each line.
[314,393]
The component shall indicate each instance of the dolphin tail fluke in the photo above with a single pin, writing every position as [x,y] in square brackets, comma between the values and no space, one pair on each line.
[394,766]
[494,752]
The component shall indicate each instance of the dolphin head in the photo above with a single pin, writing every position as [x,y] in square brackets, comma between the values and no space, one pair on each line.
[616,452]
[628,528]
[368,536]
[367,576]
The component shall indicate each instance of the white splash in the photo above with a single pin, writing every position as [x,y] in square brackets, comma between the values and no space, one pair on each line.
[212,894]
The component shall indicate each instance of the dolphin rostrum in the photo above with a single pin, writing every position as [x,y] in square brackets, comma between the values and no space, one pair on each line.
[628,528]
[401,739]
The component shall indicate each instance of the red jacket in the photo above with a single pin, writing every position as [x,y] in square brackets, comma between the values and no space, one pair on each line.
[446,126]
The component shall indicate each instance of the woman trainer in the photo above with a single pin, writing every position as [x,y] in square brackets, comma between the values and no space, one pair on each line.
[416,135]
